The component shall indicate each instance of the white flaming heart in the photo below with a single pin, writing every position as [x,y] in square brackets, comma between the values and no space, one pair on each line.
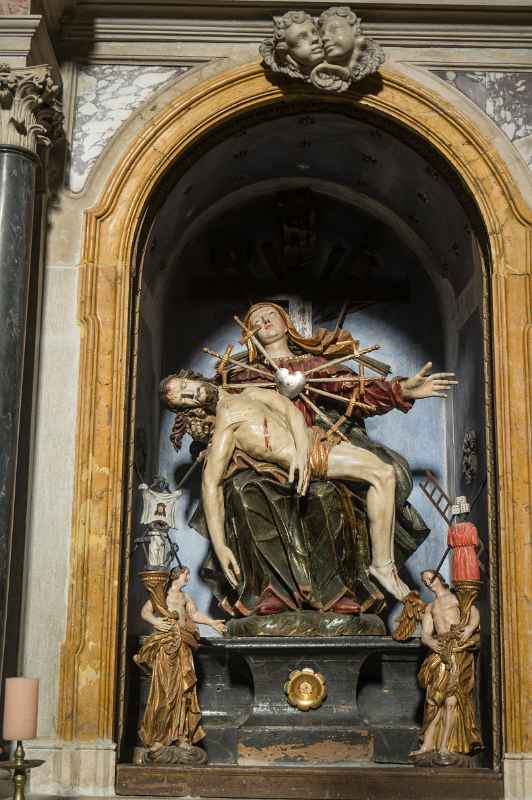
[290,384]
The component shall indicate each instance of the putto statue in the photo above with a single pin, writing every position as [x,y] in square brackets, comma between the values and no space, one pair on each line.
[329,51]
[170,729]
[450,629]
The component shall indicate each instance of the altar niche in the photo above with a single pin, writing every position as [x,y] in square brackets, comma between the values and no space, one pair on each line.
[313,208]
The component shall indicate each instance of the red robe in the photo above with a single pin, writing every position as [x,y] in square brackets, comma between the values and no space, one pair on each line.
[463,538]
[380,393]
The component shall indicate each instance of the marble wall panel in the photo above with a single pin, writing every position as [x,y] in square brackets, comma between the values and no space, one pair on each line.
[46,567]
[107,94]
[10,8]
[506,97]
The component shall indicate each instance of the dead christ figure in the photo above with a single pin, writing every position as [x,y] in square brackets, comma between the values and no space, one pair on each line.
[267,427]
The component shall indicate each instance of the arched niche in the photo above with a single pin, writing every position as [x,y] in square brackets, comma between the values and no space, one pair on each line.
[311,205]
[108,362]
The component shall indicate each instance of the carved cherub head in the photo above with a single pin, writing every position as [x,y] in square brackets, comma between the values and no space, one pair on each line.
[295,48]
[339,28]
[330,52]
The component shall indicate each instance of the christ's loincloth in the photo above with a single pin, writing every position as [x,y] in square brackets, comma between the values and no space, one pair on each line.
[318,454]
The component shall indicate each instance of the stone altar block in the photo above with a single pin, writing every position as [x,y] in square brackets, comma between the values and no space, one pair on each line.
[369,713]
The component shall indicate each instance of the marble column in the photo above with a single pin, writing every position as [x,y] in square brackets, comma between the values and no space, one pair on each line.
[29,118]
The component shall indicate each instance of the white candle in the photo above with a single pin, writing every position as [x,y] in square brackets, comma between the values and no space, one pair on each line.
[20,708]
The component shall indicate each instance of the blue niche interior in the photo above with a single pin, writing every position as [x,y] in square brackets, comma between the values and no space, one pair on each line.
[314,209]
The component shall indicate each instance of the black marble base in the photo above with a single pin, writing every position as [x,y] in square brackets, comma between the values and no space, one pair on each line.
[371,712]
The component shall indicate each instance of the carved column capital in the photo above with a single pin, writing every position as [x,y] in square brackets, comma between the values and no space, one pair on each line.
[30,107]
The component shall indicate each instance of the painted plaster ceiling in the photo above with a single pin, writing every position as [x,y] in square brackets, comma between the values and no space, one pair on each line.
[367,192]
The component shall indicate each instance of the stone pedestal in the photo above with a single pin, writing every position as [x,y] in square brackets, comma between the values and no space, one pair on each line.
[275,732]
[341,730]
[390,699]
[517,776]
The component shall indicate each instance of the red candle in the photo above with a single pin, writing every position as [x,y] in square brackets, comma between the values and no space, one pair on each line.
[463,538]
[20,708]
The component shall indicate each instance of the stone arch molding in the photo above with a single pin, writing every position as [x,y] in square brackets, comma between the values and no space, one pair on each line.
[89,654]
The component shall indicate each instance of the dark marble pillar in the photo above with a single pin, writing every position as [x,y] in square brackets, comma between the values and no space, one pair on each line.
[17,195]
[29,119]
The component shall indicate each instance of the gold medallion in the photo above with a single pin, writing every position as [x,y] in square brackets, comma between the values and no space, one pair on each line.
[305,689]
